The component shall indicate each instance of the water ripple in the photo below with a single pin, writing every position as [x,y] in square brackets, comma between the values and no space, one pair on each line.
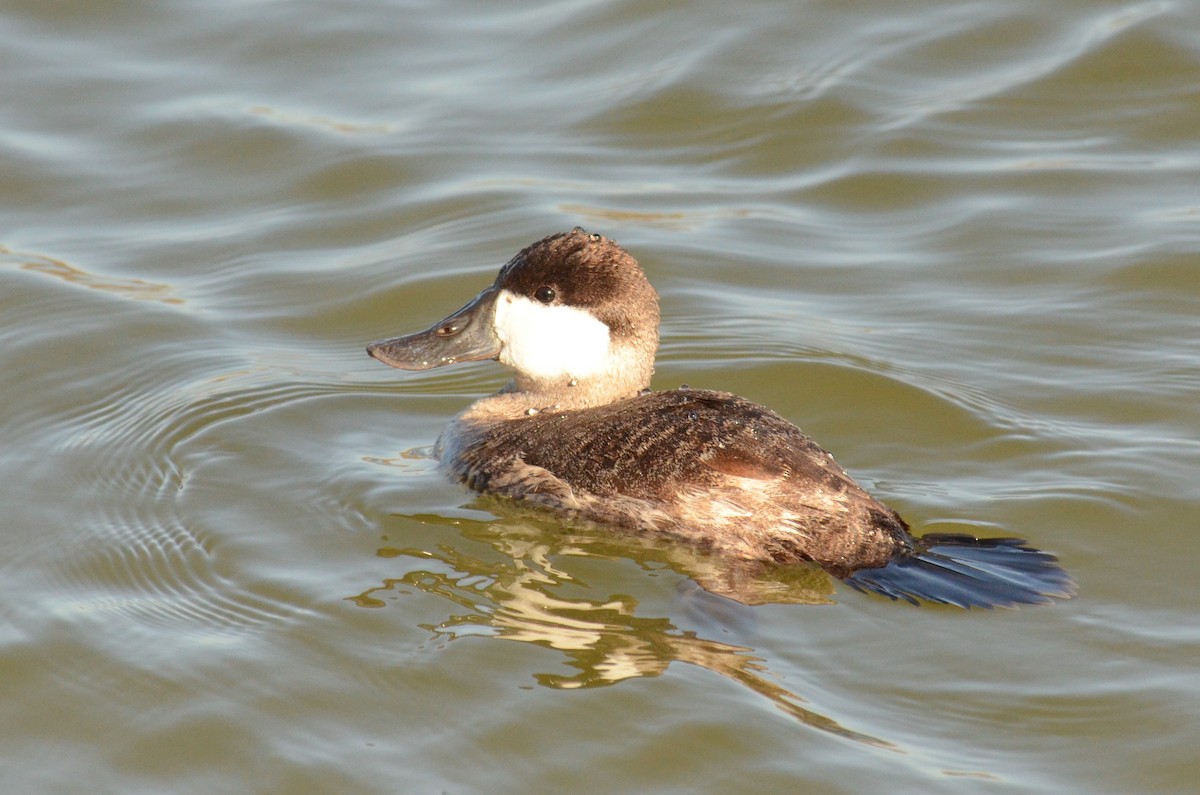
[157,563]
[138,289]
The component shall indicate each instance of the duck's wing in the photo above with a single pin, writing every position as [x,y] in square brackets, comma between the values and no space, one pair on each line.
[656,445]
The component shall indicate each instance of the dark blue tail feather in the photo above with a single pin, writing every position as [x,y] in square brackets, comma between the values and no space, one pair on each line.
[966,571]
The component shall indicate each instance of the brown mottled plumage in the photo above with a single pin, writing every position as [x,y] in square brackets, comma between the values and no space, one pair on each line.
[578,432]
[707,467]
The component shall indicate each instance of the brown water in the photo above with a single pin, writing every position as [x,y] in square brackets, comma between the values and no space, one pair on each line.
[959,243]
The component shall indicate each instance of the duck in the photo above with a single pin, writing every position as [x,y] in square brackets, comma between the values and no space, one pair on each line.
[579,433]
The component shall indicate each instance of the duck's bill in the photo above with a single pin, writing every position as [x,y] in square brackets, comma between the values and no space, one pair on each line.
[465,336]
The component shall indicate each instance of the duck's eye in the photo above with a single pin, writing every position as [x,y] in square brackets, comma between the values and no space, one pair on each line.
[545,294]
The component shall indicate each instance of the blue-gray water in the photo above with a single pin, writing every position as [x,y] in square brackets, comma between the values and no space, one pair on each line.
[957,242]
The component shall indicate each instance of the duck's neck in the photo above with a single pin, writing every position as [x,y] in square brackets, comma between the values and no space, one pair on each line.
[525,396]
[626,372]
[576,393]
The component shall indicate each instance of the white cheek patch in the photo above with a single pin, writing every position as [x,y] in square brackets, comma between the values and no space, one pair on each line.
[549,341]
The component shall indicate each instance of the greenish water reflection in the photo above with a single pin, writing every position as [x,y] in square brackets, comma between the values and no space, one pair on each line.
[521,594]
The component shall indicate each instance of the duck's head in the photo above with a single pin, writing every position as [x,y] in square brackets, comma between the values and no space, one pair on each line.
[572,312]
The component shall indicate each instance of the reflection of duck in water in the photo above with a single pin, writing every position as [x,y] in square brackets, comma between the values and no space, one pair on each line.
[519,595]
[578,431]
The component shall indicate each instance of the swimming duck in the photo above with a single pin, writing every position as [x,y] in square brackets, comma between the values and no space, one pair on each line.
[578,431]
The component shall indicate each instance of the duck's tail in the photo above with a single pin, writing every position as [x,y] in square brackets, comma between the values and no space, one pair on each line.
[965,571]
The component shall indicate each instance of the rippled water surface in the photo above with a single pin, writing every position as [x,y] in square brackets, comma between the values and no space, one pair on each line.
[957,242]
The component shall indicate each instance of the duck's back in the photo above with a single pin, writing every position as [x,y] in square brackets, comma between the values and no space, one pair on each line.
[712,467]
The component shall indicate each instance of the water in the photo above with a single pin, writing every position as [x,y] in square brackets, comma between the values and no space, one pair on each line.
[956,242]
